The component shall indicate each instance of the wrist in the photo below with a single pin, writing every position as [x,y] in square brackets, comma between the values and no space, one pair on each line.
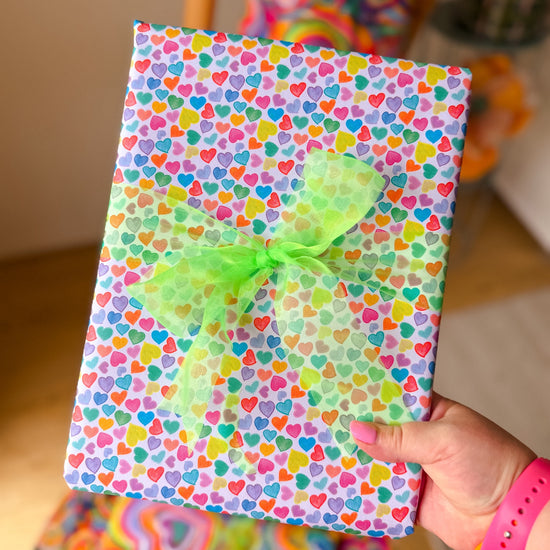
[517,518]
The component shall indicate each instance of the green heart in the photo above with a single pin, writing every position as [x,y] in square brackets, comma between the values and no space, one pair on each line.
[122,418]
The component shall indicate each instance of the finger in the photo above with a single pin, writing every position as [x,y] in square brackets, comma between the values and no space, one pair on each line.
[419,442]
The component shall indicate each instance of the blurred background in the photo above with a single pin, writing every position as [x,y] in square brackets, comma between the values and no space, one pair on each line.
[65,67]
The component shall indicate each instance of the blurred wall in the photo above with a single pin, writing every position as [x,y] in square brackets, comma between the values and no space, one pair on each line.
[63,80]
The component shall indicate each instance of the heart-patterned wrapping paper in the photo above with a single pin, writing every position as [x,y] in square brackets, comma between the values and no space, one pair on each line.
[224,123]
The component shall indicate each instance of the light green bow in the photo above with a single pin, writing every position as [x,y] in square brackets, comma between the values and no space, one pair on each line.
[206,287]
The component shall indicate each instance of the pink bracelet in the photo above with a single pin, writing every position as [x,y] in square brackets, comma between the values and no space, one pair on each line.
[520,508]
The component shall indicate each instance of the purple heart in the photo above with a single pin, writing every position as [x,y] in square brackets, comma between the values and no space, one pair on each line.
[151,492]
[420,367]
[106,383]
[374,71]
[72,478]
[420,318]
[173,478]
[194,202]
[362,148]
[149,403]
[453,82]
[75,429]
[93,464]
[394,103]
[443,159]
[409,399]
[146,145]
[315,469]
[335,504]
[254,491]
[141,39]
[395,531]
[403,360]
[136,485]
[159,69]
[314,518]
[218,49]
[315,92]
[206,126]
[267,408]
[247,373]
[297,511]
[120,302]
[225,159]
[232,504]
[271,215]
[441,207]
[167,361]
[128,114]
[296,60]
[236,81]
[283,138]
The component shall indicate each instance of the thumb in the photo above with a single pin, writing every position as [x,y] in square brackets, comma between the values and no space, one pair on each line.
[418,442]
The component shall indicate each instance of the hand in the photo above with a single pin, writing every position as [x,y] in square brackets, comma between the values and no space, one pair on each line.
[469,463]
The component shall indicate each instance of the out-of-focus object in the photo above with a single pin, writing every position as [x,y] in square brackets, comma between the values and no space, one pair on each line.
[385,27]
[506,21]
[500,109]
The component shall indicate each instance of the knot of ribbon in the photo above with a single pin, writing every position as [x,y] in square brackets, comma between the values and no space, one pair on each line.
[205,287]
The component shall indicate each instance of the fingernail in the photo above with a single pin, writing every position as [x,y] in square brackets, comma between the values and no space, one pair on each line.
[363,432]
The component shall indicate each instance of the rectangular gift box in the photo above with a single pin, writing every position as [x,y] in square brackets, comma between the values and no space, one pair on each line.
[223,124]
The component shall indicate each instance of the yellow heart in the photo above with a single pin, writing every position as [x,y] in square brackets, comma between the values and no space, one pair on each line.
[320,297]
[152,387]
[149,352]
[378,473]
[389,391]
[216,447]
[281,85]
[308,377]
[159,107]
[405,65]
[188,117]
[203,74]
[269,163]
[191,151]
[138,470]
[176,193]
[276,53]
[219,483]
[297,460]
[292,287]
[435,74]
[200,41]
[237,119]
[313,413]
[428,185]
[412,230]
[439,107]
[199,410]
[382,510]
[423,151]
[400,310]
[253,207]
[405,345]
[324,332]
[343,141]
[300,496]
[228,365]
[135,434]
[266,129]
[359,97]
[416,265]
[172,33]
[249,44]
[232,400]
[360,379]
[356,63]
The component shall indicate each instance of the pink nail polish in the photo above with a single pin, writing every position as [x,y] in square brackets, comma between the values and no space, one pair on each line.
[363,432]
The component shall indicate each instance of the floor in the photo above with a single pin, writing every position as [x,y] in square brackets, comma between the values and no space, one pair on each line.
[43,321]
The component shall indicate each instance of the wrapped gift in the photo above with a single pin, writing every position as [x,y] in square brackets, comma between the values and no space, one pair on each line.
[273,268]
